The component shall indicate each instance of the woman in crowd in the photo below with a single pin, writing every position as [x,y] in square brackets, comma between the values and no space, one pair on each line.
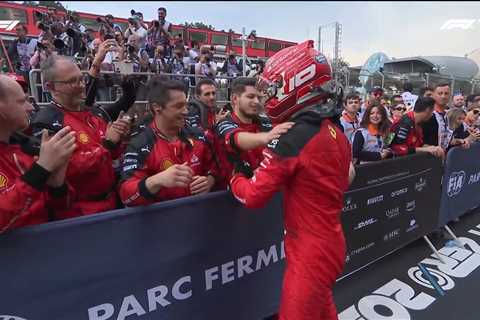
[462,134]
[368,141]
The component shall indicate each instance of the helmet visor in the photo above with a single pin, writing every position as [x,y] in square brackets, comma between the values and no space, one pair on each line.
[268,89]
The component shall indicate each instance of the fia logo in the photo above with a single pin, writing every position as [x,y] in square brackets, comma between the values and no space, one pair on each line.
[455,183]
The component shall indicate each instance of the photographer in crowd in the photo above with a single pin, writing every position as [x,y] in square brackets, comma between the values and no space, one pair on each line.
[44,50]
[135,28]
[231,66]
[21,50]
[99,130]
[205,67]
[133,53]
[159,33]
[106,25]
[178,64]
[159,62]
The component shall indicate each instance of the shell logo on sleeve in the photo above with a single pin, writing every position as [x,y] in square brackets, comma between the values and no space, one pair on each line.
[83,138]
[333,133]
[3,181]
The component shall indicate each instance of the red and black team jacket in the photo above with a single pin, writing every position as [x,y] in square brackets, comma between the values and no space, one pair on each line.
[150,152]
[25,199]
[407,136]
[228,153]
[90,170]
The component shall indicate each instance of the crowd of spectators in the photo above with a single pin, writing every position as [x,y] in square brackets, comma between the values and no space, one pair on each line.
[385,127]
[141,47]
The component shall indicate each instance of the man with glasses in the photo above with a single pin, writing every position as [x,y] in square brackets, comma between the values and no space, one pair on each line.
[408,134]
[472,119]
[98,135]
[397,111]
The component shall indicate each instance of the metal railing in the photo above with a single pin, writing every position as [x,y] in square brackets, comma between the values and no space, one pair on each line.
[394,82]
[37,86]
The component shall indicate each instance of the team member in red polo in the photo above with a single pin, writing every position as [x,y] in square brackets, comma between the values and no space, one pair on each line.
[244,133]
[99,132]
[166,160]
[29,189]
[408,135]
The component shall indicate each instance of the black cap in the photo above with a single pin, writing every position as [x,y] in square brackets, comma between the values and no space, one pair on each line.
[377,89]
[109,16]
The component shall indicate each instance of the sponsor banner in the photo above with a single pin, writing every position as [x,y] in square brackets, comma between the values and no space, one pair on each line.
[199,258]
[414,283]
[389,205]
[461,183]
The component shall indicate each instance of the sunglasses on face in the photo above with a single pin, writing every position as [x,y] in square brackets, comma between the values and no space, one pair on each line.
[403,109]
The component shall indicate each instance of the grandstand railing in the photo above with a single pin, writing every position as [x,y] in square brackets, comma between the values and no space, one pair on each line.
[37,85]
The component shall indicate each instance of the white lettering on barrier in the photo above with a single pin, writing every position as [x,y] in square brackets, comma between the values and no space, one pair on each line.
[459,263]
[101,312]
[177,294]
[158,295]
[154,299]
[130,306]
[242,266]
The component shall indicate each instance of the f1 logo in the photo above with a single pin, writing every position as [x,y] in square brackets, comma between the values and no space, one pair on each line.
[464,24]
[8,25]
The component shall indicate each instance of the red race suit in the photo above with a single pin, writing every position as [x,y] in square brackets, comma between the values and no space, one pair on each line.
[310,164]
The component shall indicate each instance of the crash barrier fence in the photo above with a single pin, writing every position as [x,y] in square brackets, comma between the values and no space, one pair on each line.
[208,257]
[113,91]
[387,80]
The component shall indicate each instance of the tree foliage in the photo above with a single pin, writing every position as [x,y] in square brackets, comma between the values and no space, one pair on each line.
[198,25]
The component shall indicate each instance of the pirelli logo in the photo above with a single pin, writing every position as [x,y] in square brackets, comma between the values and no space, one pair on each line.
[8,25]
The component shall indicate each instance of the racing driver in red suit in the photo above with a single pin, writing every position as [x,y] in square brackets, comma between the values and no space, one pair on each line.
[311,164]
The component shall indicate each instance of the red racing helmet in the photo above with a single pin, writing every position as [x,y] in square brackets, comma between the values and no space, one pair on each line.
[295,78]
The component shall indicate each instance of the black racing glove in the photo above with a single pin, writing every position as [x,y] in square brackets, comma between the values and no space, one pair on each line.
[243,167]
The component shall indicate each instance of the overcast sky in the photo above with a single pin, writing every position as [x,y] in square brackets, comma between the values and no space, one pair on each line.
[400,29]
